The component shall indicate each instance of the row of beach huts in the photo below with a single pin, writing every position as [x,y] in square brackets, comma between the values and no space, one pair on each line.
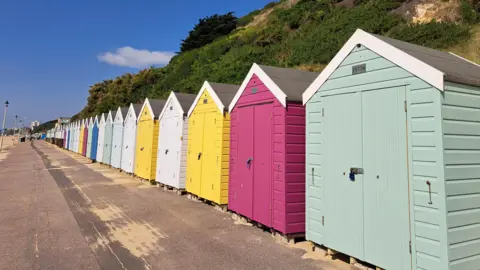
[377,157]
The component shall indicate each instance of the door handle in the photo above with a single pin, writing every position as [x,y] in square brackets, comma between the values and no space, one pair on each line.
[199,156]
[166,151]
[353,172]
[141,149]
[429,192]
[249,162]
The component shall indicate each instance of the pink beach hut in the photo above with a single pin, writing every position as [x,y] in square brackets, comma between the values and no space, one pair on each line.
[267,149]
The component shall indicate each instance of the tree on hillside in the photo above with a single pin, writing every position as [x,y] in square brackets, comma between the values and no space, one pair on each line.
[208,29]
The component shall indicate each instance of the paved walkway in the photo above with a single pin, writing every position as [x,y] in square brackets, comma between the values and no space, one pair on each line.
[57,211]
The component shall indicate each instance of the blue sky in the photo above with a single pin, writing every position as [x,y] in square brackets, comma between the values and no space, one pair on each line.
[52,51]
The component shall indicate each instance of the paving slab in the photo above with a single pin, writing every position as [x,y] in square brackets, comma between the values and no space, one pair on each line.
[68,213]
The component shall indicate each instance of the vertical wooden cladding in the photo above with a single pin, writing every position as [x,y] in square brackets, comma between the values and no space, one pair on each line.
[129,138]
[208,134]
[94,144]
[295,167]
[147,139]
[287,167]
[80,137]
[89,140]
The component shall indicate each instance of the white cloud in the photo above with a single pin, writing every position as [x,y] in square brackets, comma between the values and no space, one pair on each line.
[131,57]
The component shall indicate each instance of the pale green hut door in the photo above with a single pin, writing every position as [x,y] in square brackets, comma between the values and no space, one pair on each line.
[368,212]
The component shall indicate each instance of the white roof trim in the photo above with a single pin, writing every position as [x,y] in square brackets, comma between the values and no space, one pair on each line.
[171,97]
[420,69]
[109,117]
[131,111]
[146,102]
[102,119]
[118,113]
[206,86]
[271,85]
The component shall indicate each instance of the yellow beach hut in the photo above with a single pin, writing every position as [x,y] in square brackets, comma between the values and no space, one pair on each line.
[209,142]
[80,140]
[147,139]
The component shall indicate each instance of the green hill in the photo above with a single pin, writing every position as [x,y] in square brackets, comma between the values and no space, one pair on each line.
[303,34]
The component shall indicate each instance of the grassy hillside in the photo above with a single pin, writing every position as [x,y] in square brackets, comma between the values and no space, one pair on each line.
[303,34]
[45,126]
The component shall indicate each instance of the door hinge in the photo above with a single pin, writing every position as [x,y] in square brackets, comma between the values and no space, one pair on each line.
[410,246]
[270,116]
[405,105]
[323,220]
[323,112]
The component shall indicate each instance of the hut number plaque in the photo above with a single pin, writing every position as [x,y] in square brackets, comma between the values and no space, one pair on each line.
[358,69]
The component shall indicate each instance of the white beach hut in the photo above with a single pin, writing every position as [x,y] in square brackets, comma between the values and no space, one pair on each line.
[129,138]
[172,140]
[117,137]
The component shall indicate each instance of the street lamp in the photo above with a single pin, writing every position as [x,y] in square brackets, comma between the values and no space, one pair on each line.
[15,126]
[3,125]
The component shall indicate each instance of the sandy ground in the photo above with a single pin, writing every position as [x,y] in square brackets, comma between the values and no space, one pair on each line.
[60,211]
[7,144]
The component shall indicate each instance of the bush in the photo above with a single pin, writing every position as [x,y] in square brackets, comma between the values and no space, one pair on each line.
[469,14]
[437,35]
[208,29]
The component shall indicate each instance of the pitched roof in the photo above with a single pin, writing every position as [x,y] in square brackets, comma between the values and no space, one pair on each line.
[137,108]
[432,66]
[291,81]
[185,100]
[225,92]
[455,68]
[157,106]
[124,111]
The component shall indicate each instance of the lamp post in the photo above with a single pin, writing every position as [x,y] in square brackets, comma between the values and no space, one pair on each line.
[3,125]
[15,126]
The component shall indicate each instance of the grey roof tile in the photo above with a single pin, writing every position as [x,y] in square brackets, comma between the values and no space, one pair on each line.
[455,68]
[185,100]
[225,92]
[292,82]
[157,106]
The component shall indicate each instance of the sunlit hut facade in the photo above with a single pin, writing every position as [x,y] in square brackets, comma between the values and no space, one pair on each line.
[89,139]
[94,145]
[209,142]
[267,148]
[107,141]
[129,138]
[117,137]
[172,140]
[69,129]
[80,136]
[85,137]
[147,138]
[393,163]
[101,137]
[77,135]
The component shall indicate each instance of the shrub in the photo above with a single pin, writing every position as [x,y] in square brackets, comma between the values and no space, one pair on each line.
[437,35]
[468,12]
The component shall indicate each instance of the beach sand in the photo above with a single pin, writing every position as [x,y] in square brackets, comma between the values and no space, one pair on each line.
[7,143]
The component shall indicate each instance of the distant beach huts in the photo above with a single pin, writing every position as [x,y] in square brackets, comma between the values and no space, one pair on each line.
[377,157]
